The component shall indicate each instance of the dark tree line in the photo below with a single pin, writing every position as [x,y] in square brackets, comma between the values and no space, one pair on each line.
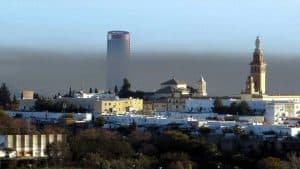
[126,92]
[235,108]
[44,104]
[129,148]
[6,102]
[171,149]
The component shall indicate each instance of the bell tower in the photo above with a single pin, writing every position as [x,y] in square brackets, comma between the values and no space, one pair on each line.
[201,91]
[258,69]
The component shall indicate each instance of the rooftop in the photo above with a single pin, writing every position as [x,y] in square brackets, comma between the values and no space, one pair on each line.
[118,32]
[173,82]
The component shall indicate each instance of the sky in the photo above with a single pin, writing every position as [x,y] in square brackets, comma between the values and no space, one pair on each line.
[48,45]
[193,26]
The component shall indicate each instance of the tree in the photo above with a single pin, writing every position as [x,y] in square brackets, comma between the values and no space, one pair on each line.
[35,95]
[176,160]
[14,103]
[271,163]
[175,165]
[218,105]
[104,164]
[3,115]
[294,161]
[116,90]
[234,108]
[15,100]
[100,121]
[204,130]
[243,108]
[4,96]
[133,125]
[126,85]
[125,89]
[58,152]
[237,130]
[91,90]
[70,92]
[96,90]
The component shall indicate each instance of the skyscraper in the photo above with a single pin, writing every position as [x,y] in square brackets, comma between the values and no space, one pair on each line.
[118,53]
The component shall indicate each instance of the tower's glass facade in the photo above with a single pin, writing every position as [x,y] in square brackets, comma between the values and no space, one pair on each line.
[118,53]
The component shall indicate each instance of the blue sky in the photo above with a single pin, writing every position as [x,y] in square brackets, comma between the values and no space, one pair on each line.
[197,26]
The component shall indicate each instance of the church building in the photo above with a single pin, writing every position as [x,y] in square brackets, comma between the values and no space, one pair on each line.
[256,81]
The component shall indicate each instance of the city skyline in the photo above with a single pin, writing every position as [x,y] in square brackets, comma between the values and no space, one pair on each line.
[173,84]
[185,26]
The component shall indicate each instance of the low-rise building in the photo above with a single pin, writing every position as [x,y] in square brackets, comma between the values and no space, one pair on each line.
[49,117]
[277,129]
[206,104]
[176,103]
[169,87]
[7,153]
[29,145]
[278,111]
[160,105]
[173,103]
[27,95]
[148,107]
[86,100]
[27,105]
[118,106]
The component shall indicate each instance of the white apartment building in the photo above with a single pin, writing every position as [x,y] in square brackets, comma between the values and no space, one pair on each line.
[205,105]
[278,111]
[29,145]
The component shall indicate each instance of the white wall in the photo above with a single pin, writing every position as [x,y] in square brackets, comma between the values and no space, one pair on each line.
[284,130]
[206,105]
[50,116]
[277,112]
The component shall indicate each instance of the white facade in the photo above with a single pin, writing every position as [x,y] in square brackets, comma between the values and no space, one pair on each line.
[27,95]
[175,86]
[199,105]
[29,145]
[278,129]
[85,100]
[99,95]
[201,91]
[277,112]
[26,105]
[7,153]
[50,116]
[206,105]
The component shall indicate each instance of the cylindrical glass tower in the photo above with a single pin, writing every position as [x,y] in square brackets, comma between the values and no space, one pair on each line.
[118,53]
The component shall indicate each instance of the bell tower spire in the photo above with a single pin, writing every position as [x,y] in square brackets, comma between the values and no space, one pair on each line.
[256,81]
[258,69]
[257,42]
